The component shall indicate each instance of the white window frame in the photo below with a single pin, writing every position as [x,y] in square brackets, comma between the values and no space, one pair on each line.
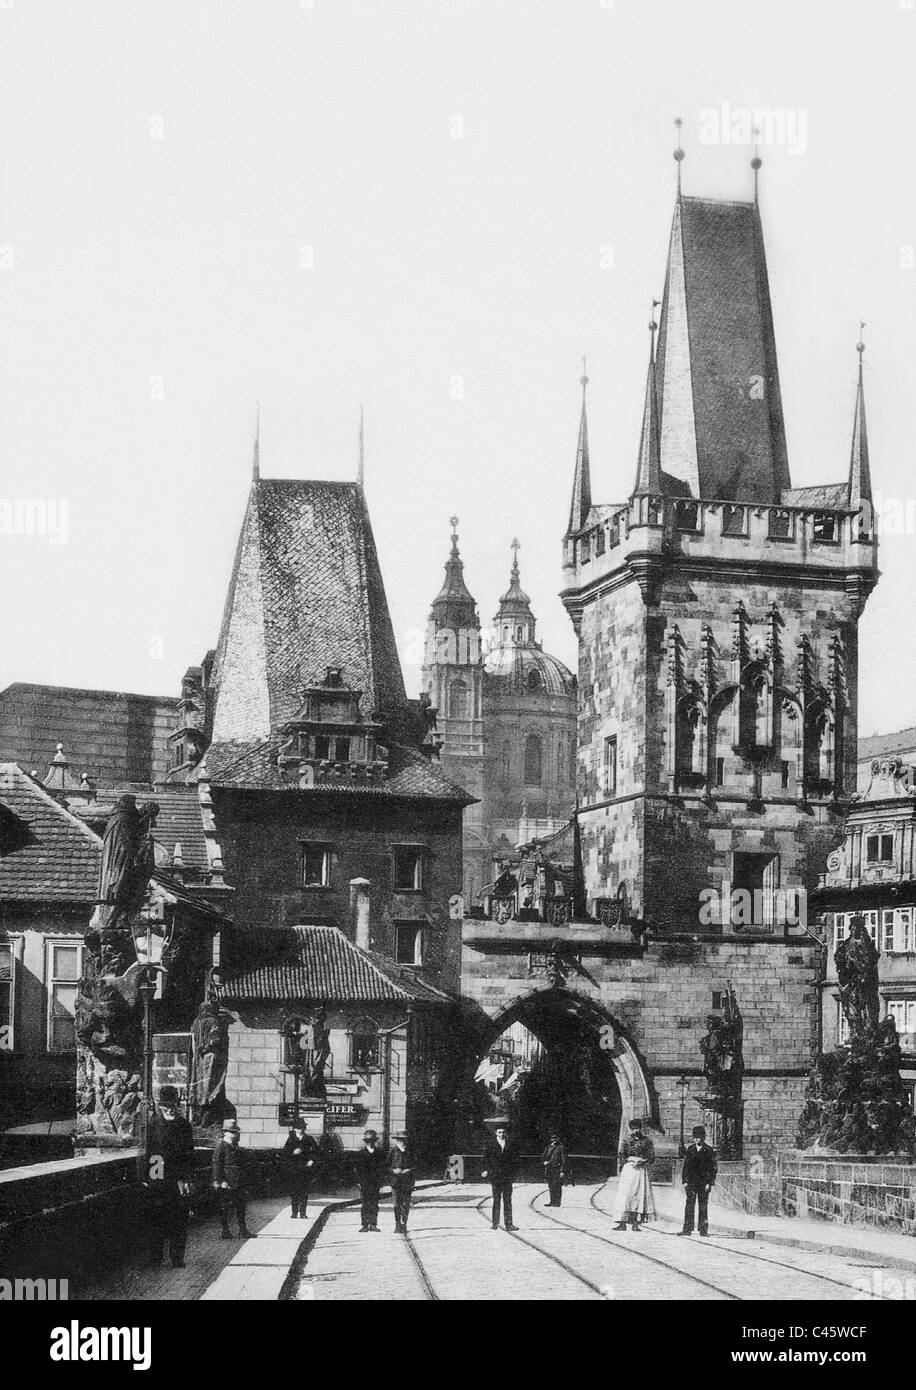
[897,930]
[904,1010]
[51,980]
[13,943]
[841,1028]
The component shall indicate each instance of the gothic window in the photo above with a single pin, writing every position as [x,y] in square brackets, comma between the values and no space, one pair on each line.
[686,514]
[825,528]
[780,524]
[458,700]
[533,761]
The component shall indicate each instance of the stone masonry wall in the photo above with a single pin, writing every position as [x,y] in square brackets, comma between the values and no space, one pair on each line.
[660,1001]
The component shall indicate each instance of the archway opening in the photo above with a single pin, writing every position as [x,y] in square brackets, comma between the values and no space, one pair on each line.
[554,1061]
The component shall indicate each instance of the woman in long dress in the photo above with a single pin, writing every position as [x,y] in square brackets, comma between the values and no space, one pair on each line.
[634,1201]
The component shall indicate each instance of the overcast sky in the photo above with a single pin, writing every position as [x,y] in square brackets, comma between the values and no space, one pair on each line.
[432,209]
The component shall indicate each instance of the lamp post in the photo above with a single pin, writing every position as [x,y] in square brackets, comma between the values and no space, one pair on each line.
[147,990]
[683,1086]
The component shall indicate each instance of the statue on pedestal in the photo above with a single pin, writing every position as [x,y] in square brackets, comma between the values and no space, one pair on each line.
[856,1101]
[108,1014]
[210,1037]
[723,1066]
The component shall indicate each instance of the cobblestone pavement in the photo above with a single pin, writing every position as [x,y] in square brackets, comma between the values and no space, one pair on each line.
[572,1253]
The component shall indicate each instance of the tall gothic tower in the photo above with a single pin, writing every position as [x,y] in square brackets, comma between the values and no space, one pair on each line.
[453,678]
[717,612]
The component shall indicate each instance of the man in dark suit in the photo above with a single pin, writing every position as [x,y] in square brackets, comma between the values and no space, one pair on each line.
[403,1175]
[698,1175]
[165,1171]
[370,1169]
[230,1164]
[500,1162]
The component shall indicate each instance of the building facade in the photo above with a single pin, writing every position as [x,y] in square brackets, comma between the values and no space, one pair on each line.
[506,715]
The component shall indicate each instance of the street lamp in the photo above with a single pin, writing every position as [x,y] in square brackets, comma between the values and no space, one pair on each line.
[147,991]
[683,1085]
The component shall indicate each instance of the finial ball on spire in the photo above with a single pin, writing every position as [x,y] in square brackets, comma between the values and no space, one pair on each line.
[679,153]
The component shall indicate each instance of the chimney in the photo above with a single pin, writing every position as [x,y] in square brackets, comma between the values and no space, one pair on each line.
[359,911]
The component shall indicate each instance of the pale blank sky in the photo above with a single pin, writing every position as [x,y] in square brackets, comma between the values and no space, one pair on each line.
[169,171]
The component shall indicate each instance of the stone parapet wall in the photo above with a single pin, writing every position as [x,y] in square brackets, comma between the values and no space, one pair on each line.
[854,1191]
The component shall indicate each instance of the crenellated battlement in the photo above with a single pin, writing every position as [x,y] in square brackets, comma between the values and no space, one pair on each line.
[652,530]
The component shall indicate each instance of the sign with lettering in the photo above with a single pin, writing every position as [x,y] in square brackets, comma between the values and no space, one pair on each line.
[340,1113]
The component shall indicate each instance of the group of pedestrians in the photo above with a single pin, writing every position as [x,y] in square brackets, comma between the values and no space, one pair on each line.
[167,1162]
[372,1167]
[634,1202]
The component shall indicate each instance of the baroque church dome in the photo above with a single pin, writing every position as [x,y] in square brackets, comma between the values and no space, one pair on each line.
[516,659]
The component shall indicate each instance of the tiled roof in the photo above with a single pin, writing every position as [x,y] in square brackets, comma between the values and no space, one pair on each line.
[323,964]
[306,593]
[875,746]
[179,822]
[253,766]
[47,855]
[716,341]
[820,495]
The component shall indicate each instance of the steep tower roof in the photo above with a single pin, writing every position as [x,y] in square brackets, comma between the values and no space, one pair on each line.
[859,470]
[719,402]
[454,607]
[306,593]
[581,502]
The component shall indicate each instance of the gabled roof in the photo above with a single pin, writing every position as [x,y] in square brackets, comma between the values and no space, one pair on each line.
[306,593]
[55,858]
[320,963]
[252,766]
[720,407]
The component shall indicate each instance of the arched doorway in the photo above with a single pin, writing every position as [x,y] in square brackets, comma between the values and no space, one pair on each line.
[557,1060]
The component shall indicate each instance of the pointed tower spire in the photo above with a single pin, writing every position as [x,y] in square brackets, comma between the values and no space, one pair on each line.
[679,154]
[581,503]
[859,470]
[256,461]
[648,466]
[756,162]
[361,461]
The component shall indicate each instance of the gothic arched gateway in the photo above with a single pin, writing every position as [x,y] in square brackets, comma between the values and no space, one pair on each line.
[570,1065]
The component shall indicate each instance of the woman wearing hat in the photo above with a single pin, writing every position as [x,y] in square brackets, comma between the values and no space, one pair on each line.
[634,1201]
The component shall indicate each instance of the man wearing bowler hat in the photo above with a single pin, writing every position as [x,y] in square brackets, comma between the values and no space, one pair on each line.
[165,1171]
[229,1164]
[500,1162]
[403,1176]
[698,1175]
[370,1167]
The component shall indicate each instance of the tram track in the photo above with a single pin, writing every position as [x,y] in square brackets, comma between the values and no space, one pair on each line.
[711,1243]
[621,1245]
